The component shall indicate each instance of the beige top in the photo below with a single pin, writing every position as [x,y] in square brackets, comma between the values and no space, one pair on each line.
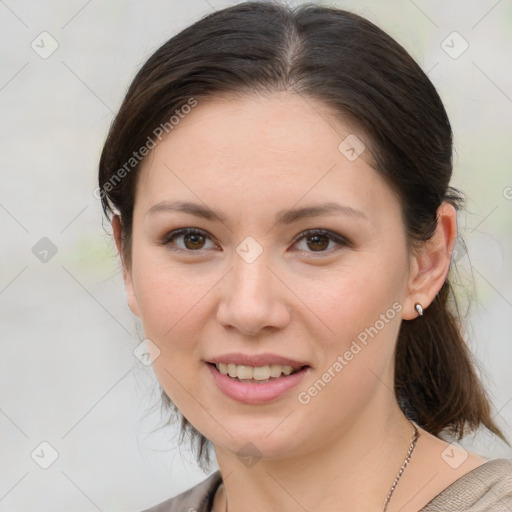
[488,488]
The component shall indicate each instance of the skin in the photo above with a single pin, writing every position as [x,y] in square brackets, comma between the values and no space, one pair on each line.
[249,158]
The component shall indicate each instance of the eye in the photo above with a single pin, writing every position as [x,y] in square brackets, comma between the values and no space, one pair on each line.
[187,239]
[319,240]
[194,240]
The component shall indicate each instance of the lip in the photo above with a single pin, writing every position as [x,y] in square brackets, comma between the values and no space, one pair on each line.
[257,360]
[256,393]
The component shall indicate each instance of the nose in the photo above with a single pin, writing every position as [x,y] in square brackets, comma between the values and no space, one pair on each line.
[253,299]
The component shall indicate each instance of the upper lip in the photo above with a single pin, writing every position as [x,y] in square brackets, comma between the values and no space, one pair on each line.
[257,360]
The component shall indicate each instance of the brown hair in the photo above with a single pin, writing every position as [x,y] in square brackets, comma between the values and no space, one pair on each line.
[367,78]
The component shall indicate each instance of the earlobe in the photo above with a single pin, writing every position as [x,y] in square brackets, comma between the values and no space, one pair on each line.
[117,228]
[430,266]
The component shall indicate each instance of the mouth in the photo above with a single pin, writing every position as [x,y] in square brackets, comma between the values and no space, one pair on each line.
[256,379]
[256,374]
[257,385]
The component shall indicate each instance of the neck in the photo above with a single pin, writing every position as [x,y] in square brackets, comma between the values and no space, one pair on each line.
[356,470]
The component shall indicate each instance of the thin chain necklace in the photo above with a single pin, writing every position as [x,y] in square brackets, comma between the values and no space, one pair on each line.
[412,445]
[402,469]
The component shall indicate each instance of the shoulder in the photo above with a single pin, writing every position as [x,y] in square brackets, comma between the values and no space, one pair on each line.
[196,499]
[484,489]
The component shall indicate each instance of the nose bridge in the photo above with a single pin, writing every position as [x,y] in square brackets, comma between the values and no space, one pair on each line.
[250,270]
[252,279]
[250,300]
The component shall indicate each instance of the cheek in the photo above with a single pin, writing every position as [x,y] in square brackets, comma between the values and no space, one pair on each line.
[353,297]
[357,365]
[172,310]
[168,295]
[173,304]
[362,309]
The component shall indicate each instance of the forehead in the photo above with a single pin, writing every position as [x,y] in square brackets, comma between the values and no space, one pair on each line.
[256,153]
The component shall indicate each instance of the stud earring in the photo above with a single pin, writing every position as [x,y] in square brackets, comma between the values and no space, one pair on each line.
[419,308]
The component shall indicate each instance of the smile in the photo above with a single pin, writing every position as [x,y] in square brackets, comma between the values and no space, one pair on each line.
[256,385]
[257,373]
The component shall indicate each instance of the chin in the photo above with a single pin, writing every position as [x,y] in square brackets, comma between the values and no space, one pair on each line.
[265,442]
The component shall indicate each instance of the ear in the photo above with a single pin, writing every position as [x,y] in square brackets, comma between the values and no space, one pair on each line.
[430,265]
[127,272]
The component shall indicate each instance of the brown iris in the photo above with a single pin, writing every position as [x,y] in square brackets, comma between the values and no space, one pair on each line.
[319,242]
[193,241]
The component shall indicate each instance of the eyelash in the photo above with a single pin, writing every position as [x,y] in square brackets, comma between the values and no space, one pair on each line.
[170,237]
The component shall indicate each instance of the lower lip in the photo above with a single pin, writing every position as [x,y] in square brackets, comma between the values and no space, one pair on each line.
[255,393]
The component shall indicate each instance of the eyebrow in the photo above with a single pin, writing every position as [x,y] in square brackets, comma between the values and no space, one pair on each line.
[283,217]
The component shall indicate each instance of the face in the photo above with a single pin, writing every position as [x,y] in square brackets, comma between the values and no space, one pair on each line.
[254,277]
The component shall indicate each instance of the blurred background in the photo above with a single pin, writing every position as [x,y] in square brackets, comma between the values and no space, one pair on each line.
[79,413]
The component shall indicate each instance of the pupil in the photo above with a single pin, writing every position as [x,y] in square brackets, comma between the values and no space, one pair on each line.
[195,240]
[317,241]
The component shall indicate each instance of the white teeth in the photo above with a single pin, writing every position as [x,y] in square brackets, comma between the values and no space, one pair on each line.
[287,370]
[275,370]
[261,372]
[232,370]
[244,372]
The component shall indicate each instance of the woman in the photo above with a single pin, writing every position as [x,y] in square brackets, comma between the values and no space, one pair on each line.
[278,185]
